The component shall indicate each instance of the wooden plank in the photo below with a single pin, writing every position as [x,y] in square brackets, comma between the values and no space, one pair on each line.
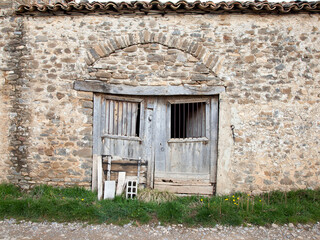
[107,116]
[214,138]
[185,189]
[97,144]
[124,119]
[191,99]
[94,172]
[120,118]
[132,176]
[100,177]
[127,161]
[148,141]
[121,183]
[116,117]
[126,168]
[129,138]
[188,140]
[111,116]
[160,140]
[103,117]
[134,114]
[129,119]
[102,87]
[123,98]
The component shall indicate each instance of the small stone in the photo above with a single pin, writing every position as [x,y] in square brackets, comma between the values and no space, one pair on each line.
[274,225]
[41,39]
[51,88]
[60,95]
[103,74]
[286,181]
[280,67]
[249,59]
[131,49]
[154,58]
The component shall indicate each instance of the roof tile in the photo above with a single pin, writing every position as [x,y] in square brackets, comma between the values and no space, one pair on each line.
[179,7]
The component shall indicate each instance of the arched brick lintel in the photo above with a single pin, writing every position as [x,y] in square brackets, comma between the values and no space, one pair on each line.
[188,45]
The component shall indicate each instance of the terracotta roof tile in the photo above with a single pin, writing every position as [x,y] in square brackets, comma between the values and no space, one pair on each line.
[179,7]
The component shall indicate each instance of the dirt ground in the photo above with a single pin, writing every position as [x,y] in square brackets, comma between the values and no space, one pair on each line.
[11,229]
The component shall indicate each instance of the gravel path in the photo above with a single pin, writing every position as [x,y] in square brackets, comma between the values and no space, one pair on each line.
[10,229]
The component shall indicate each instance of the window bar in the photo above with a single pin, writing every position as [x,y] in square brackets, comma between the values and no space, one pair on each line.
[204,106]
[192,120]
[187,121]
[174,121]
[126,123]
[197,116]
[184,121]
[179,114]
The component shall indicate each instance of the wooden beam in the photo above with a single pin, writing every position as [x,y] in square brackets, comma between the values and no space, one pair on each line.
[100,177]
[187,90]
[95,172]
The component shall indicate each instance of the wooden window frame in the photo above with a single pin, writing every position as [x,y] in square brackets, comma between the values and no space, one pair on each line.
[183,100]
[125,99]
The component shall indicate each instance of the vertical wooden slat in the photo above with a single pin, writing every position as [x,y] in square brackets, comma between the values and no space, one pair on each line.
[97,143]
[111,117]
[95,173]
[103,116]
[120,117]
[100,177]
[205,119]
[214,138]
[124,119]
[129,119]
[116,118]
[134,113]
[107,117]
[148,141]
[97,125]
[159,140]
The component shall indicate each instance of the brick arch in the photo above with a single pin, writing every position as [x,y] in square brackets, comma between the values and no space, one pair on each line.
[188,45]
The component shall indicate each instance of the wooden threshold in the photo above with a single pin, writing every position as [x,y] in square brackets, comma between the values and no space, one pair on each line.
[198,189]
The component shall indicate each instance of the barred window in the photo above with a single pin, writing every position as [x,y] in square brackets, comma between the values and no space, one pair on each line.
[188,120]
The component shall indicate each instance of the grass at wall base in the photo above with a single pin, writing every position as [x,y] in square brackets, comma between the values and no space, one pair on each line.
[45,203]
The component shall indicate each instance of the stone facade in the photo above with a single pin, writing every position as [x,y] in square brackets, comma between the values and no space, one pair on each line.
[269,114]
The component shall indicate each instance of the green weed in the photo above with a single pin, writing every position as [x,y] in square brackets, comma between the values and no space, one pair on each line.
[78,204]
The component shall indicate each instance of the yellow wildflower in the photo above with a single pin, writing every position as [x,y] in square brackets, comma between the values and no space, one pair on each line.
[82,199]
[201,200]
[226,199]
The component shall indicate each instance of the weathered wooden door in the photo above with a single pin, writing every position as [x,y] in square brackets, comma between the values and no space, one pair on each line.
[177,136]
[122,126]
[185,144]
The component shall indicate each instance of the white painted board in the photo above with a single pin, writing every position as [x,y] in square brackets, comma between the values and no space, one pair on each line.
[109,189]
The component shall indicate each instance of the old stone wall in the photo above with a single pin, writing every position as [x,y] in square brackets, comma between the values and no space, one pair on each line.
[269,65]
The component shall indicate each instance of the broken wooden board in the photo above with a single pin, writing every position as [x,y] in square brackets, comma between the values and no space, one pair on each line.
[121,183]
